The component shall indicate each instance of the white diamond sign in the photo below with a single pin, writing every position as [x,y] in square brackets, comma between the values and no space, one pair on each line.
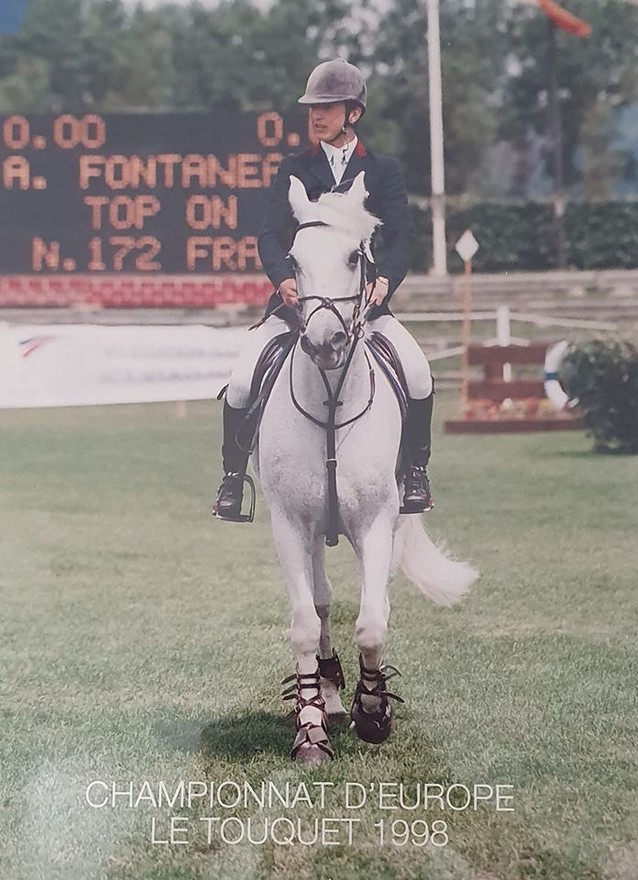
[466,246]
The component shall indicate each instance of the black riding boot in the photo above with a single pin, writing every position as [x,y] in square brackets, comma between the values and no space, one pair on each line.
[235,462]
[417,443]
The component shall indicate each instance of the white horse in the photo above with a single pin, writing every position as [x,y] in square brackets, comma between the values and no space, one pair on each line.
[290,460]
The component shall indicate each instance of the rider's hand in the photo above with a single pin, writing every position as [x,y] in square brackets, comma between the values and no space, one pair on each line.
[288,291]
[376,291]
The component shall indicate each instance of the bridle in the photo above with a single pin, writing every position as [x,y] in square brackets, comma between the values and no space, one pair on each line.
[359,314]
[354,333]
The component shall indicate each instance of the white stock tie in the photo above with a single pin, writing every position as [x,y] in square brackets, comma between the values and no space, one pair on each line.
[339,165]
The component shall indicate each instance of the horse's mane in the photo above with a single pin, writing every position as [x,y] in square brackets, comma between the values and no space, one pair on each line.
[339,212]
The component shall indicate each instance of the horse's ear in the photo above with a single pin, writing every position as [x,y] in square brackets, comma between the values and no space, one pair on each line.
[357,191]
[298,198]
[366,247]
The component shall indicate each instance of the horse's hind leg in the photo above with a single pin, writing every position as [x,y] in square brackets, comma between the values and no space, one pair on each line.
[329,665]
[371,713]
[311,743]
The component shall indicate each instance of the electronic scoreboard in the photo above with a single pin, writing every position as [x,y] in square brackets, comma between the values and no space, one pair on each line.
[141,193]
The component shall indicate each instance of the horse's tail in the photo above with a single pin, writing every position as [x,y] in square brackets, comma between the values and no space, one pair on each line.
[430,568]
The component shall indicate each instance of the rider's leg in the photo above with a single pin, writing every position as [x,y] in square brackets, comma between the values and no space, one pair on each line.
[418,426]
[235,459]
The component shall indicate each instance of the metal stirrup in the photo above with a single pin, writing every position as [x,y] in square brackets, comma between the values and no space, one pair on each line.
[241,517]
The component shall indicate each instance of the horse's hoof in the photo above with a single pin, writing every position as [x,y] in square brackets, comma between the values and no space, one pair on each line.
[371,727]
[311,745]
[374,726]
[311,756]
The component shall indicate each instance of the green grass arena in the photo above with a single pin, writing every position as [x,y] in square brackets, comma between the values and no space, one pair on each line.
[142,640]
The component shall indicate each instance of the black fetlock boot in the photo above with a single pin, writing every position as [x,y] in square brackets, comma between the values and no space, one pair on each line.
[417,444]
[235,462]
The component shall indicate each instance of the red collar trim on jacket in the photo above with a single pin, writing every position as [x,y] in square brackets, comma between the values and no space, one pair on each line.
[359,150]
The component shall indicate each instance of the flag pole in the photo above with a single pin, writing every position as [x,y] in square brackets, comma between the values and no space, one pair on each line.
[558,17]
[558,199]
[437,162]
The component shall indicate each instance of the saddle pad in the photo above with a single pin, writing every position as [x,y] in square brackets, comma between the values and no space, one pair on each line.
[268,367]
[270,359]
[273,358]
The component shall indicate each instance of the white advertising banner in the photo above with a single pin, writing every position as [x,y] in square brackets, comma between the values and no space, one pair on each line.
[83,365]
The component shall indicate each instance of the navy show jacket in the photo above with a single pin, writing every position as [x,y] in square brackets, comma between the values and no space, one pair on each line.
[387,200]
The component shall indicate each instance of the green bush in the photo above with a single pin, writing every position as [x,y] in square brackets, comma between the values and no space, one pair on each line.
[603,376]
[520,237]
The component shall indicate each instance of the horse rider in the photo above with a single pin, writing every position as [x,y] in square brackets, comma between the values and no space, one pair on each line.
[336,95]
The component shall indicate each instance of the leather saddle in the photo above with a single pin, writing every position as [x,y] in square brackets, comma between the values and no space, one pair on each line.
[272,360]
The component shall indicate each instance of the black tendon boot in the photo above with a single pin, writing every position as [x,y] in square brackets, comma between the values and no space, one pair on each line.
[417,444]
[235,461]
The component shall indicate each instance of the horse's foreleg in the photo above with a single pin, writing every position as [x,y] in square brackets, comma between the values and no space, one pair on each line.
[295,555]
[371,712]
[374,551]
[331,674]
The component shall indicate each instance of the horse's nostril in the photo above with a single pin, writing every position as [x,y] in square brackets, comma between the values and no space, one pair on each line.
[339,338]
[307,345]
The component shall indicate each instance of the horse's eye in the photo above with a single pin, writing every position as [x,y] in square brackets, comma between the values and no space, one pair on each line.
[353,259]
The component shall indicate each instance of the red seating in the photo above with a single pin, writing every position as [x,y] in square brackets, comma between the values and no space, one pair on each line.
[129,291]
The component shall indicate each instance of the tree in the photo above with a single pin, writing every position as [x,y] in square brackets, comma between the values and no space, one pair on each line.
[169,57]
[28,87]
[240,56]
[46,37]
[63,58]
[473,66]
[103,55]
[594,75]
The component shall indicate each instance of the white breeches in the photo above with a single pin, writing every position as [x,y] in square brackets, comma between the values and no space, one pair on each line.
[414,362]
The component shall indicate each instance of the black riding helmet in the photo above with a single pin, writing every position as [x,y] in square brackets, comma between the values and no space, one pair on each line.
[334,81]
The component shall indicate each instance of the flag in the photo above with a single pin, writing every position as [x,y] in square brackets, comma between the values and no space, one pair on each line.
[12,14]
[564,19]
